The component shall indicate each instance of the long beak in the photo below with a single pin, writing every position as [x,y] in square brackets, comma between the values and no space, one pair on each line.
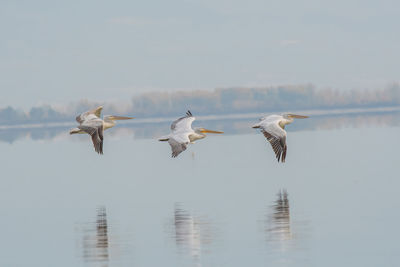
[120,118]
[76,131]
[297,116]
[211,131]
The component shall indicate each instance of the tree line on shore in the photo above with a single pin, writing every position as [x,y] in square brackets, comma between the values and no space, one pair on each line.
[219,101]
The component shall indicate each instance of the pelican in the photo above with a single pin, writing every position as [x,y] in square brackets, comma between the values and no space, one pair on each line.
[91,123]
[273,128]
[182,134]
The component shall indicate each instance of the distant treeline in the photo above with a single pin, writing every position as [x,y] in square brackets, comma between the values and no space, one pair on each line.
[218,101]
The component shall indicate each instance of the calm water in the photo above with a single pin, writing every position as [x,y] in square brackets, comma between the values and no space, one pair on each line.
[223,202]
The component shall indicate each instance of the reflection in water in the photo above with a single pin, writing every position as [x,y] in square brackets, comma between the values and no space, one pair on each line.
[229,126]
[278,227]
[284,232]
[12,135]
[99,245]
[192,233]
[95,241]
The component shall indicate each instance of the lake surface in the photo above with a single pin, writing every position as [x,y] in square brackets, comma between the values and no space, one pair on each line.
[223,202]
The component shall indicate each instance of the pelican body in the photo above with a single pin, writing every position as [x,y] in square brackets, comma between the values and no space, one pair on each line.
[91,123]
[273,128]
[182,134]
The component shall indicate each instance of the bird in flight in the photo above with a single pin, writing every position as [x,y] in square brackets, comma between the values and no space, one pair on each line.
[91,124]
[182,134]
[273,128]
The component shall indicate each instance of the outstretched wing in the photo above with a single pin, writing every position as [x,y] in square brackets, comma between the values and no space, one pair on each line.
[88,114]
[178,144]
[276,136]
[183,124]
[96,132]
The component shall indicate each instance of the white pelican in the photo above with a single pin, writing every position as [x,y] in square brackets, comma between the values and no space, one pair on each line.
[90,123]
[182,134]
[273,128]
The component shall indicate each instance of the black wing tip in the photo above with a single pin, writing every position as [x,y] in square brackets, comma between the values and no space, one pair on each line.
[282,155]
[99,150]
[189,114]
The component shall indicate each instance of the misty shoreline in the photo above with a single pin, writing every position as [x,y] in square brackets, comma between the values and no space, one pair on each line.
[310,112]
[235,102]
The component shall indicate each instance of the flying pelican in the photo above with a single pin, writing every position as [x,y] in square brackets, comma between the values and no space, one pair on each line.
[90,123]
[182,134]
[273,128]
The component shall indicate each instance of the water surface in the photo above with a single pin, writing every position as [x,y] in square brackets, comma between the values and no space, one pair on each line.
[223,202]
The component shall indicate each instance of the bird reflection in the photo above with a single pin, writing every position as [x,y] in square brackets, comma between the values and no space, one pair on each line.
[278,226]
[96,242]
[101,245]
[192,233]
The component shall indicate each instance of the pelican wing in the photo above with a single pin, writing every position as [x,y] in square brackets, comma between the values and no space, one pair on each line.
[94,113]
[176,147]
[95,130]
[183,124]
[276,136]
[178,144]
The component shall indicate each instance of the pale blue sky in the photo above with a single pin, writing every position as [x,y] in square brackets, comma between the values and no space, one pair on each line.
[61,51]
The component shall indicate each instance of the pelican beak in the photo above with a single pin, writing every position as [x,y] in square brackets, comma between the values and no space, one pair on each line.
[210,131]
[297,116]
[120,118]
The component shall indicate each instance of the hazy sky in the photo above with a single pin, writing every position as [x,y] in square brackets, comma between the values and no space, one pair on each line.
[60,51]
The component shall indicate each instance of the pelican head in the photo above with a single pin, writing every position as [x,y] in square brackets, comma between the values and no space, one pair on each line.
[109,120]
[200,133]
